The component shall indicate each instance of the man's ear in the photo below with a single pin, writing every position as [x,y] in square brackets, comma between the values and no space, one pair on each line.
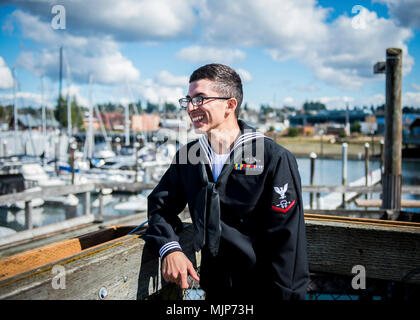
[232,104]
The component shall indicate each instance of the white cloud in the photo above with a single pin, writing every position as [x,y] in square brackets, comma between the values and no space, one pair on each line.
[411,99]
[347,61]
[197,54]
[245,75]
[340,102]
[84,56]
[289,101]
[74,92]
[166,78]
[6,78]
[337,53]
[123,20]
[406,12]
[336,102]
[26,99]
[415,86]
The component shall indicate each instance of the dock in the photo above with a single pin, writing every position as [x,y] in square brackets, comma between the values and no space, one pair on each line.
[334,200]
[123,267]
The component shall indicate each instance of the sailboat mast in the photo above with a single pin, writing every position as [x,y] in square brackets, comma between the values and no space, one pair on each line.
[127,126]
[44,120]
[15,113]
[60,84]
[90,132]
[69,128]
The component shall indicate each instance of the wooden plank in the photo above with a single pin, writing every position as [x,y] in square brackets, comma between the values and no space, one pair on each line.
[386,252]
[38,257]
[68,233]
[389,250]
[377,203]
[124,186]
[126,267]
[27,235]
[46,192]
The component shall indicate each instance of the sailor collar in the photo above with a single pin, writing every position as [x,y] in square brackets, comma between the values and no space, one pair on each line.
[247,135]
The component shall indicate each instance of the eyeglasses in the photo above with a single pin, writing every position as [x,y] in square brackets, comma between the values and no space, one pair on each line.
[197,101]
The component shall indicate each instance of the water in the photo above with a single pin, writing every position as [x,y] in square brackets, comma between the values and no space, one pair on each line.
[327,172]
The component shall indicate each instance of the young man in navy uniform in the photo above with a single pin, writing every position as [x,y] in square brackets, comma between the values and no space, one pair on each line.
[243,191]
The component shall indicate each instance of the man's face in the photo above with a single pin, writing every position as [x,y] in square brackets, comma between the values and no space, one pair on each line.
[212,113]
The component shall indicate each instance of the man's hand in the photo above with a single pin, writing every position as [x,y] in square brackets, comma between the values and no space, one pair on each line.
[175,268]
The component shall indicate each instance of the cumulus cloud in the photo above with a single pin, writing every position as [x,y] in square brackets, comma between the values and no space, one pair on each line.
[83,56]
[166,78]
[6,78]
[338,53]
[415,86]
[245,75]
[123,20]
[201,54]
[406,12]
[26,99]
[348,59]
[74,92]
[411,99]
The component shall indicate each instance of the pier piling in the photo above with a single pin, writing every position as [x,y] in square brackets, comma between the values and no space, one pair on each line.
[28,215]
[311,195]
[392,179]
[344,170]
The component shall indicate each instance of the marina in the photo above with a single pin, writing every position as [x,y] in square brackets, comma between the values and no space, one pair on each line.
[94,110]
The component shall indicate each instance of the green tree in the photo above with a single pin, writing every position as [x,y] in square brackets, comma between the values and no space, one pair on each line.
[355,127]
[293,132]
[60,113]
[169,107]
[151,107]
[314,106]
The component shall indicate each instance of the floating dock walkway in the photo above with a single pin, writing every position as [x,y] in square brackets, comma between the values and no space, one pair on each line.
[334,200]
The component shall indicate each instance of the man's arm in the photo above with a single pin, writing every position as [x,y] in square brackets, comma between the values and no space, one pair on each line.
[165,202]
[285,232]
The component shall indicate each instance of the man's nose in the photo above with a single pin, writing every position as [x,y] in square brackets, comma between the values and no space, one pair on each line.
[190,106]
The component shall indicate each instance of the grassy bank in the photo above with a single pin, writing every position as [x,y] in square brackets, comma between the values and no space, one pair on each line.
[329,146]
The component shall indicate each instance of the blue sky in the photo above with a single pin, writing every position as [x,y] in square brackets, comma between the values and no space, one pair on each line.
[286,52]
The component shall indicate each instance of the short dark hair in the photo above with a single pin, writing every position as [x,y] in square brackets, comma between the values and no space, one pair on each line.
[226,81]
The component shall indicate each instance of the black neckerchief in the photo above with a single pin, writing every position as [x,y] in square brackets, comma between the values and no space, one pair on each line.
[206,213]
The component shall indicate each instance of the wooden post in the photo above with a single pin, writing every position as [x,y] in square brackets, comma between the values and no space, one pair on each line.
[28,215]
[118,145]
[367,164]
[366,167]
[57,145]
[4,148]
[137,146]
[311,195]
[344,170]
[72,162]
[392,179]
[382,157]
[86,203]
[101,205]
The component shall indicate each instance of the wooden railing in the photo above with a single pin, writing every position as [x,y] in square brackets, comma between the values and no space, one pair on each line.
[126,268]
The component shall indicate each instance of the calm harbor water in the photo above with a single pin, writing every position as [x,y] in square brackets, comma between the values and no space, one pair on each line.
[327,172]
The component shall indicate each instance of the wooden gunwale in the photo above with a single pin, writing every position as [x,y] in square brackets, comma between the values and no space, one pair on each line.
[36,258]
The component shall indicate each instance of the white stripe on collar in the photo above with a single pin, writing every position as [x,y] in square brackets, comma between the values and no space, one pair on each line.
[242,139]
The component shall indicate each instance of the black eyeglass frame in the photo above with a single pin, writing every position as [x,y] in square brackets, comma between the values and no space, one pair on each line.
[188,100]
